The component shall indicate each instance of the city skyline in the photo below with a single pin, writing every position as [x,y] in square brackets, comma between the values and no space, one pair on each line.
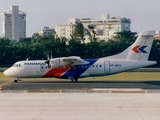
[144,15]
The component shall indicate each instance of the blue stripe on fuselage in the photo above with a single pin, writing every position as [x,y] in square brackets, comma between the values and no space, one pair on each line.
[77,70]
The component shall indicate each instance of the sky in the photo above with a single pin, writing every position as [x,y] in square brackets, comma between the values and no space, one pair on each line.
[144,14]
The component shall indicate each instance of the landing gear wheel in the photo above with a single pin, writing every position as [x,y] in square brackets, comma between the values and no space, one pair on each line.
[15,81]
[74,80]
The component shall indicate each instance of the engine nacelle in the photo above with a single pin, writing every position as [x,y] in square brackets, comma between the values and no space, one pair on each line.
[58,62]
[61,61]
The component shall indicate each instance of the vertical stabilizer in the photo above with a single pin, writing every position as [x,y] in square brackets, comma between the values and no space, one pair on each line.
[140,49]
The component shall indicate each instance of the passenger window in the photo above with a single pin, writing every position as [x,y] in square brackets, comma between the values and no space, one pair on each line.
[93,66]
[96,65]
[100,66]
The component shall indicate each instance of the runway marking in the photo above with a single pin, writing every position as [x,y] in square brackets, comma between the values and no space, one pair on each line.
[121,90]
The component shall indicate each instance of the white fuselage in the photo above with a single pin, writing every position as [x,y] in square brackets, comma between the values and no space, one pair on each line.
[95,67]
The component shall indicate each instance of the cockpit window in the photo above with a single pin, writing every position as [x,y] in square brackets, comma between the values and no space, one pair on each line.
[16,65]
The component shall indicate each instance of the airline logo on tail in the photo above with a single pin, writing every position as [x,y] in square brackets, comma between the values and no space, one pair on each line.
[139,49]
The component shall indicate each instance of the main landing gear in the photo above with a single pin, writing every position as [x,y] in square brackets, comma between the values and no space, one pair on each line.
[73,79]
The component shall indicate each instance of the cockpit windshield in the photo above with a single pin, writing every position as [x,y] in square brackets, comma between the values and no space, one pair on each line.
[16,65]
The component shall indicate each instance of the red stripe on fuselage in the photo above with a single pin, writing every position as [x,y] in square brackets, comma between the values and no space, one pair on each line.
[57,72]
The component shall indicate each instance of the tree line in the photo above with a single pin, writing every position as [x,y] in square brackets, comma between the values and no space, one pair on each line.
[41,47]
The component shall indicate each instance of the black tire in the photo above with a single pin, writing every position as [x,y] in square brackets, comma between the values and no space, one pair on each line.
[15,81]
[74,80]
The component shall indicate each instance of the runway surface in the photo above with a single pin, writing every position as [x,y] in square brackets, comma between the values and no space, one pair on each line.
[79,106]
[57,86]
[85,100]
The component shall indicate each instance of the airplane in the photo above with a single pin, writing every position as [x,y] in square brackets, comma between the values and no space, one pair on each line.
[74,67]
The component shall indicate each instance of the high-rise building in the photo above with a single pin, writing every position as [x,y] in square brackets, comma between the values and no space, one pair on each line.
[105,27]
[14,24]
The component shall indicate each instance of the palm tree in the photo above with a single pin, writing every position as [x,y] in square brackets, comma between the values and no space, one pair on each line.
[79,31]
[91,33]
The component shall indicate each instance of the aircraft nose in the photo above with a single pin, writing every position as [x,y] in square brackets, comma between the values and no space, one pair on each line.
[7,72]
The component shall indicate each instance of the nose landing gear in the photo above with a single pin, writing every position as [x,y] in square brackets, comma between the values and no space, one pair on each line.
[16,80]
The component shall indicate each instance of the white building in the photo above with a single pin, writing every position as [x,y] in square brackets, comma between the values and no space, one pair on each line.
[64,30]
[46,31]
[104,27]
[14,23]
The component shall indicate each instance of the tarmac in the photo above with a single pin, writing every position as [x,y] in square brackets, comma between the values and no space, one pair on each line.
[79,106]
[87,100]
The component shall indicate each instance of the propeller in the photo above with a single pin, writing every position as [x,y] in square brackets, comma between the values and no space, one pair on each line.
[48,63]
[48,60]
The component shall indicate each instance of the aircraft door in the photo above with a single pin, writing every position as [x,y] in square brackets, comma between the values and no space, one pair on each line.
[106,67]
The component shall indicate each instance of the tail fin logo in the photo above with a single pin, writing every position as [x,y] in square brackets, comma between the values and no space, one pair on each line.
[139,49]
